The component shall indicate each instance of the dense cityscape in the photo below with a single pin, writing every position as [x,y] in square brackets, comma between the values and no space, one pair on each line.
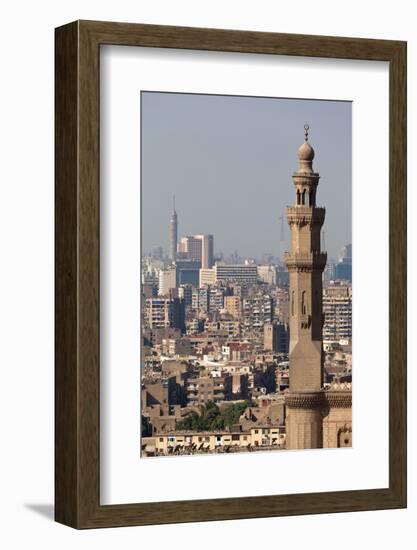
[215,372]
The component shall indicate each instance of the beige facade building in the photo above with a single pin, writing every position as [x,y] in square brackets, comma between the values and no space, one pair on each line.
[258,438]
[267,274]
[312,414]
[198,247]
[242,274]
[163,312]
[167,281]
[239,274]
[207,253]
[208,388]
[207,277]
[176,346]
[233,306]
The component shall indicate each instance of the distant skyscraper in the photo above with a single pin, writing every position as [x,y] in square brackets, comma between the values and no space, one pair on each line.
[198,247]
[344,265]
[329,272]
[346,252]
[207,253]
[190,247]
[173,234]
[188,272]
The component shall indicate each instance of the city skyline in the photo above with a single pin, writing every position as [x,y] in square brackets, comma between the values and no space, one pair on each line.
[234,356]
[167,253]
[239,140]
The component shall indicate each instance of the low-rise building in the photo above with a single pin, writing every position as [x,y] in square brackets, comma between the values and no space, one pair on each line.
[177,347]
[191,442]
[203,389]
[164,312]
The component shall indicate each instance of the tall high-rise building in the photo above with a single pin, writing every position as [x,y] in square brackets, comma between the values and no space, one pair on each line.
[188,272]
[190,247]
[173,234]
[305,264]
[344,265]
[198,247]
[207,253]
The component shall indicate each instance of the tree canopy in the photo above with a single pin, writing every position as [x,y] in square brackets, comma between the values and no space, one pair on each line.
[211,418]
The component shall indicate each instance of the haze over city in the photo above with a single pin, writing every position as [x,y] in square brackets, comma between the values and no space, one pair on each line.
[228,160]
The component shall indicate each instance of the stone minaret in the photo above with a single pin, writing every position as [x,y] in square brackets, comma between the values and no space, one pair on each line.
[173,234]
[305,263]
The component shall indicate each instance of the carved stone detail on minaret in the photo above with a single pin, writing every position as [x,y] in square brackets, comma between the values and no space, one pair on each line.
[339,399]
[299,215]
[305,261]
[305,400]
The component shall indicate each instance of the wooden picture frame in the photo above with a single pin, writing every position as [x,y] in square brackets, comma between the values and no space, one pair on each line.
[77,404]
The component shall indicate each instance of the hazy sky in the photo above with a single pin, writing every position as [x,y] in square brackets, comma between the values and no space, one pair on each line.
[228,160]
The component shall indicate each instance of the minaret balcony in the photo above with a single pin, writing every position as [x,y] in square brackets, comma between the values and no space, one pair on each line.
[305,215]
[305,261]
[305,176]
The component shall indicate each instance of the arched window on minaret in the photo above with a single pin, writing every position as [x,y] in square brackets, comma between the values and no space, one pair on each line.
[298,197]
[292,303]
[304,198]
[303,303]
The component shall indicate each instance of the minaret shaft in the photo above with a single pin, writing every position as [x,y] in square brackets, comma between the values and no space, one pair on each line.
[305,264]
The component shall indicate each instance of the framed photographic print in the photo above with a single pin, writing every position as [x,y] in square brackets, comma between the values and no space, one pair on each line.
[230,274]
